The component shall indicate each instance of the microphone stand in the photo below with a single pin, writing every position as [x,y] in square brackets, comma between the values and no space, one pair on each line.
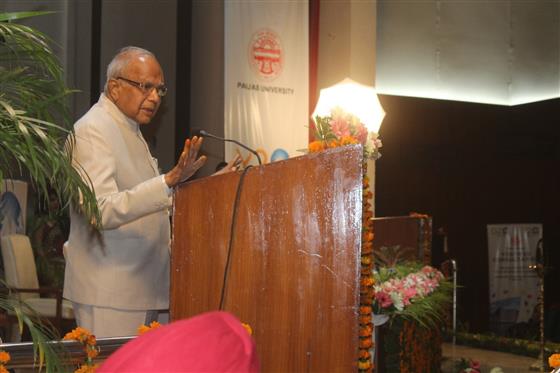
[206,134]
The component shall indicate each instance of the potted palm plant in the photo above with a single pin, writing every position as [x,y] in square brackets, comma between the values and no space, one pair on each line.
[35,132]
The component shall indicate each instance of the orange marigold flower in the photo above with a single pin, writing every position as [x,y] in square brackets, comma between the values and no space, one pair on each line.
[366,299]
[554,361]
[3,369]
[348,140]
[365,310]
[92,352]
[367,280]
[145,328]
[80,334]
[316,146]
[334,144]
[366,260]
[365,319]
[365,332]
[366,342]
[4,357]
[366,268]
[365,364]
[368,236]
[364,354]
[248,328]
[91,340]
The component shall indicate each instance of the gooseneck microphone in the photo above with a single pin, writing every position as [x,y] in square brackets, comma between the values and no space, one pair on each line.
[206,134]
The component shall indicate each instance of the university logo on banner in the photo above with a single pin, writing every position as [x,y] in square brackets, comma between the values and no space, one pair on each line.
[266,54]
[513,284]
[266,78]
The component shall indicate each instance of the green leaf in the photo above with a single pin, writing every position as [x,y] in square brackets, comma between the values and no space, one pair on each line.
[21,15]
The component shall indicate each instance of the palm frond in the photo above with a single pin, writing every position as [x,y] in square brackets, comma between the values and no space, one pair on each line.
[47,355]
[32,99]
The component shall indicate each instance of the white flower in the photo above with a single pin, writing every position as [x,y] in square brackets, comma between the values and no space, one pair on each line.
[396,297]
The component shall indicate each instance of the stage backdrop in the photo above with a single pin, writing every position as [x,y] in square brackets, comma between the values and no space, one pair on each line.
[513,285]
[266,78]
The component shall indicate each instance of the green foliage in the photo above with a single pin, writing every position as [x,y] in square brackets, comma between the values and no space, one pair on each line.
[323,129]
[47,355]
[510,345]
[32,98]
[390,256]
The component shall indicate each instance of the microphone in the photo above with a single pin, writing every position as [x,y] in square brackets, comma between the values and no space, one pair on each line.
[206,134]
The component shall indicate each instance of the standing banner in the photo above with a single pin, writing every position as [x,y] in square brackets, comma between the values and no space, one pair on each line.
[266,78]
[513,284]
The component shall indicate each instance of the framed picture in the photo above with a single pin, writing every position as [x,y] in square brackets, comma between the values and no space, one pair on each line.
[13,206]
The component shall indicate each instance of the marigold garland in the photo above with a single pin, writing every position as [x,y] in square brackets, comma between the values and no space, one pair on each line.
[340,129]
[367,280]
[84,337]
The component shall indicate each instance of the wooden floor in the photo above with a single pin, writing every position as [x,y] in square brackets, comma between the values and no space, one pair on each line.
[508,363]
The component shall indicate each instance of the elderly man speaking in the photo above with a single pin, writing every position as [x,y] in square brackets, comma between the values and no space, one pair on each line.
[120,280]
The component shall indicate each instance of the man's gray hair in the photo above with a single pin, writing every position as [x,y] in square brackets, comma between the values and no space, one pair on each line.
[120,61]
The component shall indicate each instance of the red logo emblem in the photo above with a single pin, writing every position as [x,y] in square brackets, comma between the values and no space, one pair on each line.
[266,56]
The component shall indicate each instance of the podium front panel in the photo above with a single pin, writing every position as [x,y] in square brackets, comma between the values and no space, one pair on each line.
[294,266]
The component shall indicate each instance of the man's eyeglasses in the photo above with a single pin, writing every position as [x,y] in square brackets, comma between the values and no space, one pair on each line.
[146,88]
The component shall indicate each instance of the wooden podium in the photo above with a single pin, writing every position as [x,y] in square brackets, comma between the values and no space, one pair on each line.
[294,265]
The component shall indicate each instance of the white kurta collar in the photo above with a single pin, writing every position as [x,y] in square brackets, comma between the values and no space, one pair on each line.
[118,115]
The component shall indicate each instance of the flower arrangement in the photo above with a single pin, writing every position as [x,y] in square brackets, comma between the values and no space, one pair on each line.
[341,128]
[4,359]
[412,292]
[89,343]
[468,366]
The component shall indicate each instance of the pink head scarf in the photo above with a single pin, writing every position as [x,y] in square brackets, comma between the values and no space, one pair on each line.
[210,342]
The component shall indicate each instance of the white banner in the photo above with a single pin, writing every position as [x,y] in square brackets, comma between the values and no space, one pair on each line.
[266,78]
[513,285]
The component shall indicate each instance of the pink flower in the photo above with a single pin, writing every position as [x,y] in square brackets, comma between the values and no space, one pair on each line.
[384,299]
[410,292]
[340,127]
[361,133]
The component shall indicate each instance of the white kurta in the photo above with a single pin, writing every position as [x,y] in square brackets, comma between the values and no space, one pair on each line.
[130,268]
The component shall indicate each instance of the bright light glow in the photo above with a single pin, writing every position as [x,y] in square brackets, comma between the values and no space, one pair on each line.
[481,98]
[354,98]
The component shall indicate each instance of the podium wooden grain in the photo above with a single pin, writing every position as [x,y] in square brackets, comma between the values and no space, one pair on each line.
[295,258]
